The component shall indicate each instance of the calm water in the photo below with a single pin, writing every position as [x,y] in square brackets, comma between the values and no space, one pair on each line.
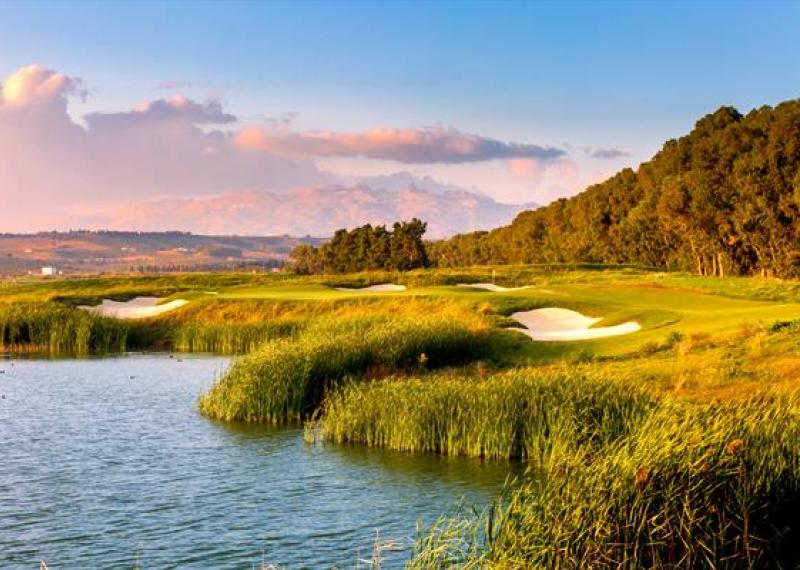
[106,460]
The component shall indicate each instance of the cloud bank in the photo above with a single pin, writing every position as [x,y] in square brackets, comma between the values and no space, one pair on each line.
[50,165]
[418,146]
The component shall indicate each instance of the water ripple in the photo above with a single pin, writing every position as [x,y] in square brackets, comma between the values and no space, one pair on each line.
[100,470]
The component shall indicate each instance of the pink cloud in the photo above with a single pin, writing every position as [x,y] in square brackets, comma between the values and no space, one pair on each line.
[413,145]
[177,108]
[34,85]
[525,168]
[56,172]
[48,163]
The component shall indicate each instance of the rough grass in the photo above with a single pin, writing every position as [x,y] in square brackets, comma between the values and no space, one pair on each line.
[673,447]
[705,476]
[286,380]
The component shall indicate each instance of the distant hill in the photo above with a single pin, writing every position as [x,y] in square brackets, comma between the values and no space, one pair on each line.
[725,199]
[316,211]
[110,251]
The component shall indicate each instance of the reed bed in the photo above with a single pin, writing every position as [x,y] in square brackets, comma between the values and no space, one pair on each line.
[521,414]
[287,379]
[240,326]
[230,338]
[189,335]
[693,486]
[55,329]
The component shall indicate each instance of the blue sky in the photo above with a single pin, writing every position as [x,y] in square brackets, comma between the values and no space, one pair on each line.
[620,75]
[523,68]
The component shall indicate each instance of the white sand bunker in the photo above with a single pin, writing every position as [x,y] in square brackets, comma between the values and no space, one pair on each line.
[492,287]
[562,324]
[381,287]
[137,308]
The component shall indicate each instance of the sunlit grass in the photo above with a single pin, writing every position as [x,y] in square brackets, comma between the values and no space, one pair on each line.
[519,414]
[286,380]
[55,329]
[675,446]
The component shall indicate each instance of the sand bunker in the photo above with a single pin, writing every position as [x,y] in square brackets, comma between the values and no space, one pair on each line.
[381,287]
[562,324]
[492,287]
[137,308]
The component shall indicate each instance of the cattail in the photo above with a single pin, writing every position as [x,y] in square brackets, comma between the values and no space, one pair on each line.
[734,446]
[642,476]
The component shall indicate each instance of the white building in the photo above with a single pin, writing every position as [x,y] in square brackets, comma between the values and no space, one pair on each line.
[49,271]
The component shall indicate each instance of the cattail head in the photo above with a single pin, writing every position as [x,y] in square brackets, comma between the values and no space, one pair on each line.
[734,446]
[642,476]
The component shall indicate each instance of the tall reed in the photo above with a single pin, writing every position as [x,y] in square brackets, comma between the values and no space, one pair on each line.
[694,486]
[288,378]
[518,414]
[55,329]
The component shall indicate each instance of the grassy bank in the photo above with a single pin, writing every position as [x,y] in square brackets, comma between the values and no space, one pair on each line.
[693,486]
[675,446]
[515,413]
[287,379]
[706,475]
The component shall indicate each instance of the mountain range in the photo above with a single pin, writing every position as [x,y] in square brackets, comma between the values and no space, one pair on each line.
[313,211]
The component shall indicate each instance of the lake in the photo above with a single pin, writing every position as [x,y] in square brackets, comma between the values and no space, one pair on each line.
[105,463]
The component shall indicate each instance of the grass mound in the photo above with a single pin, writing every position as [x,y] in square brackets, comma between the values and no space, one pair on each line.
[287,379]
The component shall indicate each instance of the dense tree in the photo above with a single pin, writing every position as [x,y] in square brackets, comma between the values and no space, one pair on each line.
[366,247]
[725,199]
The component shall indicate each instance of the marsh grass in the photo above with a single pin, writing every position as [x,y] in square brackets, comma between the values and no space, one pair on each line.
[240,326]
[710,479]
[287,379]
[55,329]
[694,486]
[521,414]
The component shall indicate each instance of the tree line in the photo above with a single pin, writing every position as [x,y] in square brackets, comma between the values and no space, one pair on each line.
[366,248]
[722,200]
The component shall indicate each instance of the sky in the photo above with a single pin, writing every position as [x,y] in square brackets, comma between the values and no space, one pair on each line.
[106,105]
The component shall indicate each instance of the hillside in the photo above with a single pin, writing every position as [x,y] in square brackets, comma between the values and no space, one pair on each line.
[106,251]
[724,199]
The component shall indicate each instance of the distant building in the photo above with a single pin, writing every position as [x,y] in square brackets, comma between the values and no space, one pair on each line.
[49,271]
